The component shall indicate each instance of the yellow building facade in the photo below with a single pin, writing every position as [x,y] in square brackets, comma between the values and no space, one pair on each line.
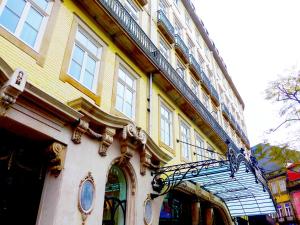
[113,90]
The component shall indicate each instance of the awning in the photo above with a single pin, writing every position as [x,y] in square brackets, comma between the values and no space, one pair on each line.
[236,181]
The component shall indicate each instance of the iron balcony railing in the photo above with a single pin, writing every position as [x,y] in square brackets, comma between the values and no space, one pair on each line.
[197,68]
[163,19]
[182,46]
[117,10]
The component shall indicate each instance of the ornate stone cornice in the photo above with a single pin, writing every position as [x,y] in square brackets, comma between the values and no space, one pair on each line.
[10,91]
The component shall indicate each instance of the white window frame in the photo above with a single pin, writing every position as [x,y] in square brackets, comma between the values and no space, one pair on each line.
[133,90]
[206,101]
[30,4]
[168,121]
[180,67]
[200,153]
[87,53]
[164,48]
[195,87]
[185,138]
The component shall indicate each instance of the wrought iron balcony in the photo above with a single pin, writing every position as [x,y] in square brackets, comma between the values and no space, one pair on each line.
[194,65]
[165,26]
[181,48]
[136,33]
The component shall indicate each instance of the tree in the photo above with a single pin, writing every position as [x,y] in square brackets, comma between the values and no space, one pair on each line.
[286,90]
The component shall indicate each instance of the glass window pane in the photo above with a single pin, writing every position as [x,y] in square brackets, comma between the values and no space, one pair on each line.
[127,110]
[90,65]
[28,35]
[16,6]
[120,90]
[34,19]
[129,81]
[80,37]
[42,3]
[92,47]
[122,75]
[128,96]
[119,103]
[88,80]
[75,70]
[78,55]
[9,20]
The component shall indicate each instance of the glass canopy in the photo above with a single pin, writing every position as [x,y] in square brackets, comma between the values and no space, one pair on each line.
[237,182]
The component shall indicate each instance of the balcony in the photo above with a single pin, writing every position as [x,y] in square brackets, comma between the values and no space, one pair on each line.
[129,36]
[195,67]
[181,48]
[165,26]
[209,88]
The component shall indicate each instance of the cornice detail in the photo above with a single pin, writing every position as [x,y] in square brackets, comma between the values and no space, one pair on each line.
[10,91]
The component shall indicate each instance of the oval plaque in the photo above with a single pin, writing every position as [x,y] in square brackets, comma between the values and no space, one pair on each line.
[148,211]
[86,194]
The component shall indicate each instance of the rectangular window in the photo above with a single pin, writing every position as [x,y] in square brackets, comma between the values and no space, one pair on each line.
[288,210]
[215,112]
[132,9]
[177,28]
[164,49]
[185,138]
[166,125]
[200,153]
[282,185]
[180,69]
[279,211]
[126,88]
[274,188]
[25,19]
[85,60]
[187,20]
[206,101]
[195,87]
[162,7]
[212,153]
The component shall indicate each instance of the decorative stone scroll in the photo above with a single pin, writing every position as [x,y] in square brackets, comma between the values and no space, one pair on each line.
[106,138]
[10,91]
[132,137]
[56,153]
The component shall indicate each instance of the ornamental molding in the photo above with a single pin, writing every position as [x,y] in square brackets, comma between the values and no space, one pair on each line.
[11,89]
[56,153]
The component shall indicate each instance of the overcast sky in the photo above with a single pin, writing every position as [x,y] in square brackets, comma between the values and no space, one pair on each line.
[257,39]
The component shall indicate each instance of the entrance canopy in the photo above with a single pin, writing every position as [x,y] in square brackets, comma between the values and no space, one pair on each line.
[236,181]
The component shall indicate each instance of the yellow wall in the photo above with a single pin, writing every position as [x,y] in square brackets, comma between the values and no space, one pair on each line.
[47,75]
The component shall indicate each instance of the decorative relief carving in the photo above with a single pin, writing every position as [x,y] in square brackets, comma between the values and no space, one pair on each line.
[56,158]
[10,91]
[145,160]
[81,129]
[106,140]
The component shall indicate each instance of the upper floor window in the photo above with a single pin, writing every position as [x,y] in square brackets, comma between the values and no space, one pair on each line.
[85,60]
[180,69]
[185,138]
[26,19]
[198,38]
[187,20]
[212,154]
[164,49]
[162,6]
[166,125]
[288,210]
[274,188]
[177,28]
[200,148]
[206,101]
[126,88]
[282,185]
[215,112]
[132,9]
[195,87]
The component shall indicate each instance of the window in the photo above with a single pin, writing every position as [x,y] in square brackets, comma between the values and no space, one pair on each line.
[85,60]
[25,19]
[191,46]
[288,210]
[177,28]
[282,185]
[164,49]
[200,58]
[198,38]
[206,101]
[212,154]
[215,112]
[274,187]
[185,138]
[187,20]
[162,7]
[125,99]
[132,9]
[166,125]
[180,69]
[195,87]
[200,149]
[279,211]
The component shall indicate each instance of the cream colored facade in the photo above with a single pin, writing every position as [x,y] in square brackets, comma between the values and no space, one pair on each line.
[51,104]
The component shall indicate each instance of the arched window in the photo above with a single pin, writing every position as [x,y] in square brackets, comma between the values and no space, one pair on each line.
[114,210]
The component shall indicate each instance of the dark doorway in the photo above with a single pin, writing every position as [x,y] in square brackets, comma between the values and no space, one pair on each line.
[176,210]
[22,174]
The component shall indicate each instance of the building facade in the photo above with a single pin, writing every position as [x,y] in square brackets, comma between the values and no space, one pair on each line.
[98,94]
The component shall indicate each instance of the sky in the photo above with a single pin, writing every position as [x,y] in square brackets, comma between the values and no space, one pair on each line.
[258,40]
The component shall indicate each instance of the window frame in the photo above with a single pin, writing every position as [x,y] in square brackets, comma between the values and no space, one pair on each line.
[131,4]
[184,124]
[168,108]
[42,42]
[163,43]
[195,87]
[200,157]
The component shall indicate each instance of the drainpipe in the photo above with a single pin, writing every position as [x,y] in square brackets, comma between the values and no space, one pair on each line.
[149,99]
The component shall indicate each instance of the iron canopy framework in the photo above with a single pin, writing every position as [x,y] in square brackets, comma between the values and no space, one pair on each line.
[238,182]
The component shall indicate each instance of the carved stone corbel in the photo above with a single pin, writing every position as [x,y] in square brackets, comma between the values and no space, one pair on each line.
[145,161]
[11,90]
[81,128]
[126,151]
[106,140]
[56,153]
